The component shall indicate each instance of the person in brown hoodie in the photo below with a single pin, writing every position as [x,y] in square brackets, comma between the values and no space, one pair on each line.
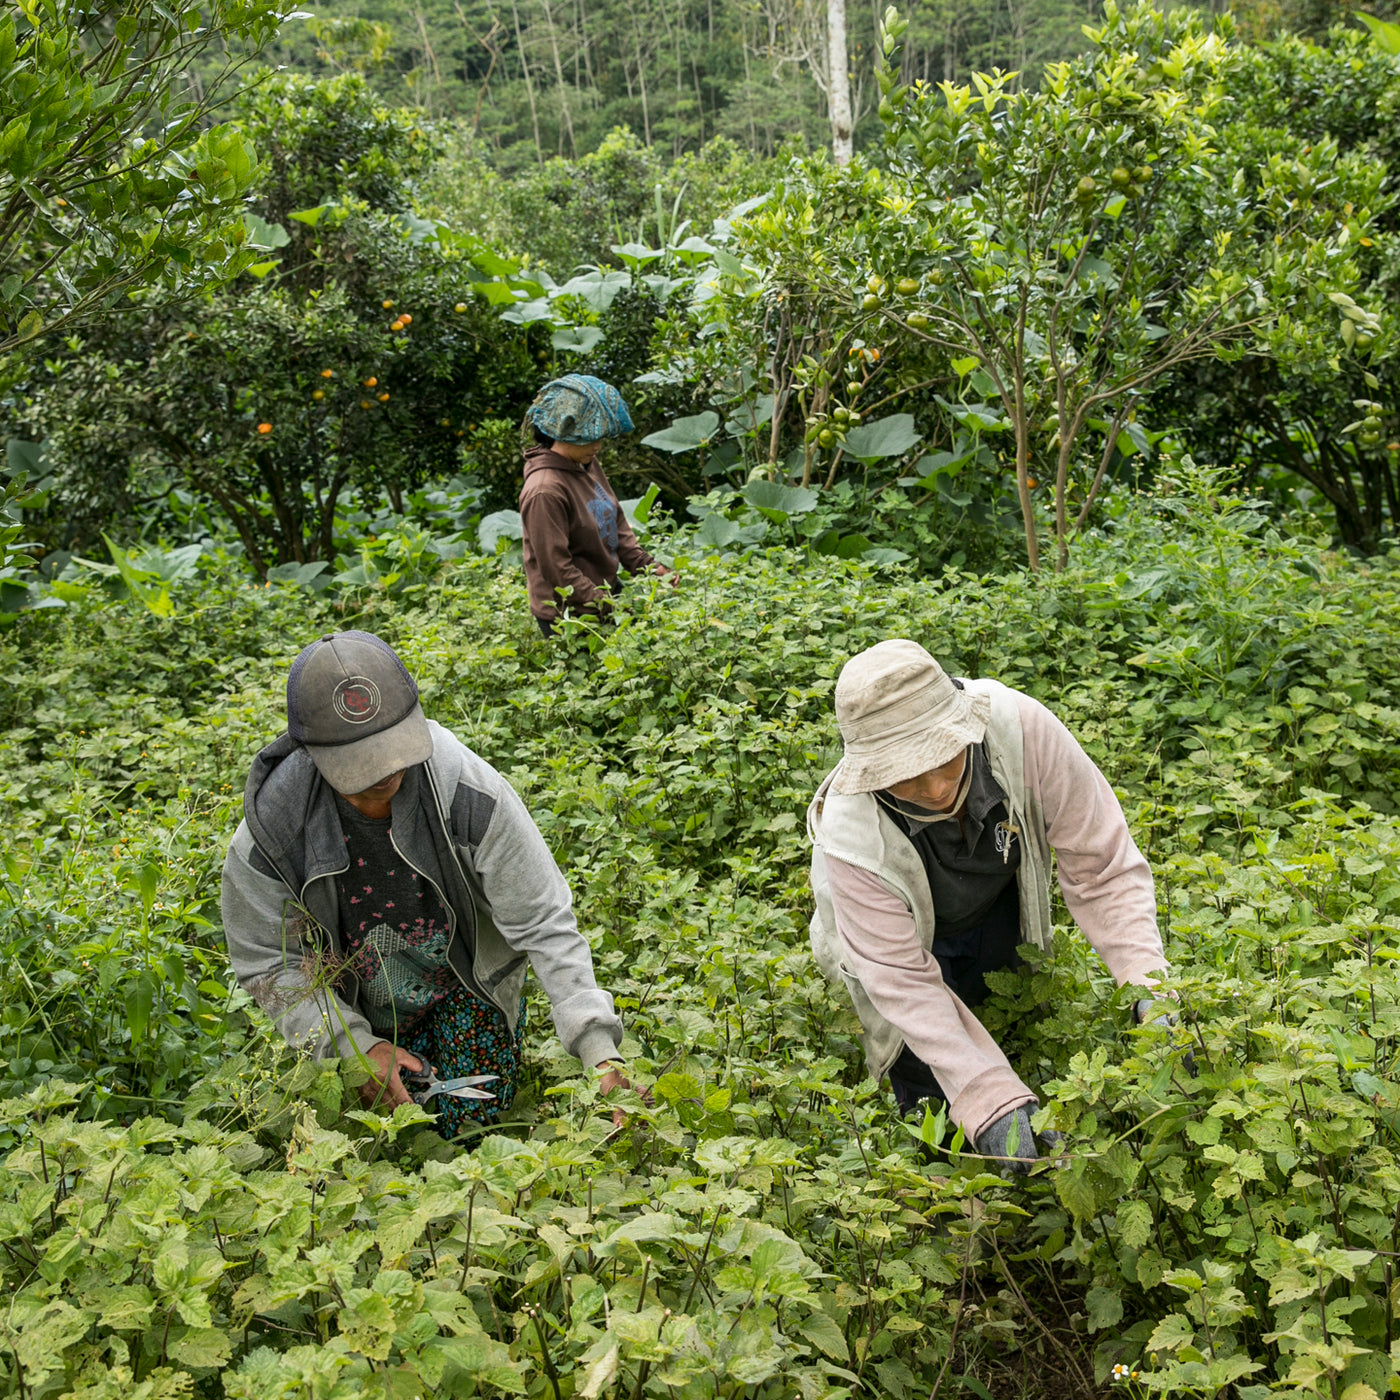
[576,538]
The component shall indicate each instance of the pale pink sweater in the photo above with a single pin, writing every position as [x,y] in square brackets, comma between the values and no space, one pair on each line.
[1107,886]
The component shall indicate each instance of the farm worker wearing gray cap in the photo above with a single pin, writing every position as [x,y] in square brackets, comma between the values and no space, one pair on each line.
[931,844]
[386,887]
[575,537]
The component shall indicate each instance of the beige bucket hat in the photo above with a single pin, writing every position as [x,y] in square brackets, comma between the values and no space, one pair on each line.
[900,715]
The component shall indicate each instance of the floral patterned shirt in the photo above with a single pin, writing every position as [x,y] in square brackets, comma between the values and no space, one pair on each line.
[395,927]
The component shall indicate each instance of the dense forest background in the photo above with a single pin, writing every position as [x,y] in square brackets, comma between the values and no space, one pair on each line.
[538,78]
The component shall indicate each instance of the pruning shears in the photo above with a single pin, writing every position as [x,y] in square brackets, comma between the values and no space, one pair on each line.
[425,1085]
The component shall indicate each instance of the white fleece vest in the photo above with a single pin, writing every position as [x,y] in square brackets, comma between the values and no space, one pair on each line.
[858,830]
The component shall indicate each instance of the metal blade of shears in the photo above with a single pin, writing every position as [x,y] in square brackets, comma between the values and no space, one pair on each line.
[464,1087]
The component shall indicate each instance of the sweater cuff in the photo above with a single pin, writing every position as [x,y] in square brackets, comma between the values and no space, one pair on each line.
[994,1092]
[596,1045]
[357,1038]
[1144,972]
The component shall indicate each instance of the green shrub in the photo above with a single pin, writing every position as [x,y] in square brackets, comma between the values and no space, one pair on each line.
[1231,1230]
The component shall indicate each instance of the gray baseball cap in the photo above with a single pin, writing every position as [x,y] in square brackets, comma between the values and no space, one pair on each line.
[355,709]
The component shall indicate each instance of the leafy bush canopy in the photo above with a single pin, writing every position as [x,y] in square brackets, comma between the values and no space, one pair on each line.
[111,175]
[188,1206]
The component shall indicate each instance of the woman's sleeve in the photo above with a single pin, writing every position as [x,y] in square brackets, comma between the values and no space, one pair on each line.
[1106,881]
[881,950]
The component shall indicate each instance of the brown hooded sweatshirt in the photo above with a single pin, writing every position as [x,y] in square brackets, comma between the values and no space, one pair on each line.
[575,535]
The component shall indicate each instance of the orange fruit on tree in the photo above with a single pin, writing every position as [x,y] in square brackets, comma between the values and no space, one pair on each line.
[318,394]
[371,382]
[461,306]
[405,318]
[326,373]
[396,326]
[365,403]
[383,398]
[264,428]
[386,303]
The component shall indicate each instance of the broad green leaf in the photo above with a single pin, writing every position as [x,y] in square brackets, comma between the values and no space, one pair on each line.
[1076,1192]
[149,882]
[685,434]
[1105,1308]
[596,289]
[526,313]
[600,1373]
[495,265]
[24,457]
[823,1333]
[496,528]
[1135,1223]
[202,1348]
[1173,1332]
[262,234]
[638,511]
[577,338]
[887,437]
[367,1322]
[140,1001]
[497,293]
[782,500]
[717,531]
[853,546]
[1386,32]
[637,254]
[136,581]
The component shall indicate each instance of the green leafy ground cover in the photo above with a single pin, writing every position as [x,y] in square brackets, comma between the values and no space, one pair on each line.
[183,1211]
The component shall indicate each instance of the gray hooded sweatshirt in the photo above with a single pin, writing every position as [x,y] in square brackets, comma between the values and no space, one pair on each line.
[460,825]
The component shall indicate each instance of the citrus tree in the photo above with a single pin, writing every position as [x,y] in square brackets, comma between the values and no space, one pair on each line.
[112,176]
[1330,416]
[351,357]
[1076,242]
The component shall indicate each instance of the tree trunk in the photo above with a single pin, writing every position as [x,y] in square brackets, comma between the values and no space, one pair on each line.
[1023,492]
[839,78]
[529,86]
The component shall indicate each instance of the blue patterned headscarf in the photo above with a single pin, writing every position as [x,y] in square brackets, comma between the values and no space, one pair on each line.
[579,408]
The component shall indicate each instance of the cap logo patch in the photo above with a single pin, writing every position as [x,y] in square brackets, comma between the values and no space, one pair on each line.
[356,700]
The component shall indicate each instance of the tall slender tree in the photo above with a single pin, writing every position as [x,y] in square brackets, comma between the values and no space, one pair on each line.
[838,81]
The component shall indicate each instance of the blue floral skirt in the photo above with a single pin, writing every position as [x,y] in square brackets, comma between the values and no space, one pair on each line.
[463,1035]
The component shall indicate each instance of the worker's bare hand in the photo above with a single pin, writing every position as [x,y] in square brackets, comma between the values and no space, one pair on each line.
[384,1092]
[613,1078]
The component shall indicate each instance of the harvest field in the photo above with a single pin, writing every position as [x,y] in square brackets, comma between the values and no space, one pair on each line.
[1088,383]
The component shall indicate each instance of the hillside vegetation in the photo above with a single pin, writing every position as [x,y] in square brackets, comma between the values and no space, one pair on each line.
[183,1207]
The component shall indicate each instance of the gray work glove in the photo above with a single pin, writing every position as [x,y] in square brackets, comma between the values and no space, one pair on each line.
[994,1140]
[1167,1021]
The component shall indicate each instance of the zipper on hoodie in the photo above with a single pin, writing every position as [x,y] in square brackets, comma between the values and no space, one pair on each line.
[452,851]
[327,934]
